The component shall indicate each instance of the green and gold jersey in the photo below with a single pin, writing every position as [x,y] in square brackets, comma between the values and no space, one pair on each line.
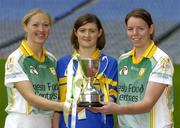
[23,65]
[133,78]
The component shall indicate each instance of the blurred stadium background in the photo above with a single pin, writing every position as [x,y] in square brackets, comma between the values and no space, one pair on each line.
[165,13]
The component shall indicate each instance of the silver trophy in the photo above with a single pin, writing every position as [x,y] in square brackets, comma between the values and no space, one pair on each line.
[89,97]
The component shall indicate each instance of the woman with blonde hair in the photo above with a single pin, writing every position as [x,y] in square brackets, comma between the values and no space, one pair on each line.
[30,77]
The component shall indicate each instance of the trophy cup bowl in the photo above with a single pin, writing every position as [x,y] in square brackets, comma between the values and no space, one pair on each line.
[89,97]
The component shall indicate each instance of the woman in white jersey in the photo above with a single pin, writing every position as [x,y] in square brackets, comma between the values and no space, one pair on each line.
[30,77]
[145,79]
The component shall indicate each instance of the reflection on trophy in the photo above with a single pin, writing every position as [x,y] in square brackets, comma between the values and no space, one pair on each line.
[89,97]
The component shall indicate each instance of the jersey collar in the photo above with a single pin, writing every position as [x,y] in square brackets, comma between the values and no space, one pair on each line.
[148,53]
[27,51]
[95,55]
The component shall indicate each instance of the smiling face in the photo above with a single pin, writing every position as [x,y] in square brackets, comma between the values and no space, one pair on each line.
[138,31]
[37,28]
[87,35]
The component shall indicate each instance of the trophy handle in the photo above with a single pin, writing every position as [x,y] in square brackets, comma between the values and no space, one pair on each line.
[89,95]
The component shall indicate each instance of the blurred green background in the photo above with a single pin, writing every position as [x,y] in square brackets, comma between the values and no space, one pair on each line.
[3,97]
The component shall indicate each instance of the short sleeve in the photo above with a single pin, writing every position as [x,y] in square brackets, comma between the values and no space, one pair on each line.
[13,72]
[163,71]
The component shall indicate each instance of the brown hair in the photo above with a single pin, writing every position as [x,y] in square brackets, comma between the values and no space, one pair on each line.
[82,20]
[143,14]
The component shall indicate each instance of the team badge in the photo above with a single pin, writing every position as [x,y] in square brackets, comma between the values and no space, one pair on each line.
[165,63]
[33,70]
[10,63]
[124,71]
[141,72]
[52,70]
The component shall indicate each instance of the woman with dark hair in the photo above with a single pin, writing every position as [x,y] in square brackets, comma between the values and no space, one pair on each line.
[145,79]
[88,39]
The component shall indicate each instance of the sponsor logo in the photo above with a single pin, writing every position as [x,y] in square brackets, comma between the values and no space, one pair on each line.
[33,70]
[124,71]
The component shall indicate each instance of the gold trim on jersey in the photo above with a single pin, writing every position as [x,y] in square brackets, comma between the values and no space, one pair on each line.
[12,98]
[167,93]
[27,51]
[28,108]
[100,81]
[152,118]
[95,55]
[148,53]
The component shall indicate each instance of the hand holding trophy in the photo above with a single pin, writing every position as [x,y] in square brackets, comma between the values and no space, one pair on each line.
[89,97]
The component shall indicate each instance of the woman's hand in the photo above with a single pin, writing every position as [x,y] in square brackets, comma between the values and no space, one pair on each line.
[107,108]
[80,109]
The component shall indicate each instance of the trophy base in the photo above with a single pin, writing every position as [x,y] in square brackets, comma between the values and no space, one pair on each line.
[89,104]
